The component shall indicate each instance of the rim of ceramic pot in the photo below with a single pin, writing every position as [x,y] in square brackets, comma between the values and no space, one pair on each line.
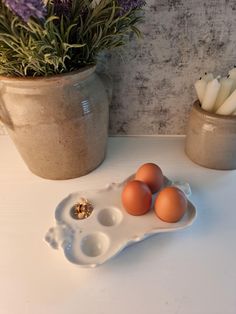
[212,116]
[83,73]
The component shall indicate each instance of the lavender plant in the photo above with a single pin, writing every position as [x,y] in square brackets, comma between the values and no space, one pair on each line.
[26,9]
[127,6]
[41,38]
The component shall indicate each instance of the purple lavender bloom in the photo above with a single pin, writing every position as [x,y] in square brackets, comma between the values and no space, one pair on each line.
[27,8]
[128,5]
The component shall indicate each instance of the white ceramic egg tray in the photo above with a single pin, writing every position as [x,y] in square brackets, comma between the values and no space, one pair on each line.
[91,242]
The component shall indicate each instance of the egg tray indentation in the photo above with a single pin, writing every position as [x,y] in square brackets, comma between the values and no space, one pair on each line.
[92,241]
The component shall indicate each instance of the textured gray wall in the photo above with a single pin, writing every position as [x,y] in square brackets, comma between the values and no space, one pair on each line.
[153,84]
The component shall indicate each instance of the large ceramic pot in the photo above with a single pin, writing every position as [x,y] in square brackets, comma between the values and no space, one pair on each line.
[59,124]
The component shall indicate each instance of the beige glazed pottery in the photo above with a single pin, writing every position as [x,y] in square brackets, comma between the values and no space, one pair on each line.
[59,124]
[211,139]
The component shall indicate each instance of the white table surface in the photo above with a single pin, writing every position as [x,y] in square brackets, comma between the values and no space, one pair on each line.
[190,271]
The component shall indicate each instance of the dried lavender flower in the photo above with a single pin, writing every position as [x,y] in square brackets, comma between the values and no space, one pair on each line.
[27,8]
[128,5]
[62,7]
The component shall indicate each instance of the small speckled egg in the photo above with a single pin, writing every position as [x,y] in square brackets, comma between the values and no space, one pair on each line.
[152,175]
[170,204]
[136,198]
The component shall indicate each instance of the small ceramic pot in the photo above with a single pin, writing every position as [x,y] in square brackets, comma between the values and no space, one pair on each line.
[211,139]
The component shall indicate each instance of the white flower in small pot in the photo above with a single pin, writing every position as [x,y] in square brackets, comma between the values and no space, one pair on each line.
[52,101]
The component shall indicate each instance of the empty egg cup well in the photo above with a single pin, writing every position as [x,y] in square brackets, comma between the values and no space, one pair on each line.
[109,217]
[94,244]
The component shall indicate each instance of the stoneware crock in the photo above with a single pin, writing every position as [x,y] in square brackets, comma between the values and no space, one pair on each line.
[211,139]
[59,124]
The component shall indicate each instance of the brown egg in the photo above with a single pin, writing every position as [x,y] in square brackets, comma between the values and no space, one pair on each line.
[170,204]
[152,175]
[136,198]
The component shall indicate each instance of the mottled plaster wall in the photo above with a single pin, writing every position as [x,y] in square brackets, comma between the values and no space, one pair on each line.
[153,84]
